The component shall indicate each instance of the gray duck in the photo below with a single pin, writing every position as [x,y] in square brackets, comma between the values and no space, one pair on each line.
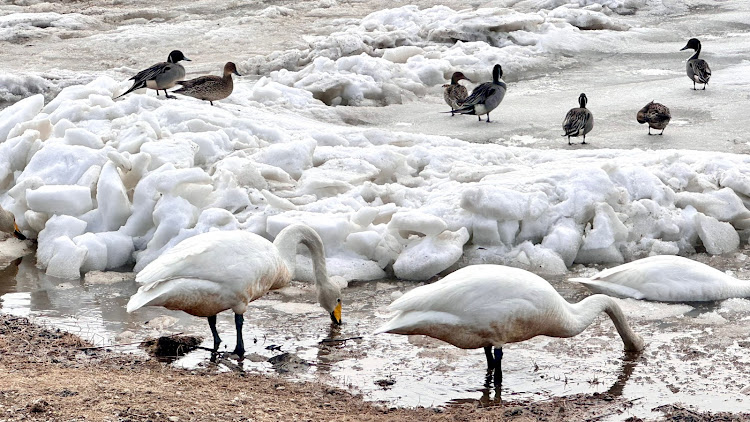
[485,97]
[656,115]
[579,121]
[210,87]
[160,76]
[697,69]
[454,92]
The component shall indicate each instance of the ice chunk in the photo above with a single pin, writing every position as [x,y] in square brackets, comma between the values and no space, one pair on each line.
[293,158]
[408,222]
[60,199]
[425,257]
[717,237]
[19,112]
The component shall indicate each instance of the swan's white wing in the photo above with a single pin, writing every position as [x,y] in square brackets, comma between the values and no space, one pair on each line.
[480,294]
[220,256]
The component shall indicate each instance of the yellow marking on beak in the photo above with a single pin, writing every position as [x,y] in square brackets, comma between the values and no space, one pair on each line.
[337,313]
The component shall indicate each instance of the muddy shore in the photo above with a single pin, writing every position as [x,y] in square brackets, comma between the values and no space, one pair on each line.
[47,374]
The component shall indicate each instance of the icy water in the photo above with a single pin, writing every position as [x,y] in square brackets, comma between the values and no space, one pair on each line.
[696,354]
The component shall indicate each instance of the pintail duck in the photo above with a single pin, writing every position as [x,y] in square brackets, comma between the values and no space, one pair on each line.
[656,115]
[210,88]
[8,224]
[454,92]
[161,75]
[697,69]
[579,121]
[485,97]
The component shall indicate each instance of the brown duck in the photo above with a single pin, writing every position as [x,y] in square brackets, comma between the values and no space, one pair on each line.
[455,93]
[210,87]
[656,115]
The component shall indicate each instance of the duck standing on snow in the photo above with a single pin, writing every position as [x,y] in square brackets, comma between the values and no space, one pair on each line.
[160,76]
[455,93]
[579,121]
[492,305]
[485,97]
[697,69]
[210,88]
[656,115]
[666,278]
[219,270]
[8,224]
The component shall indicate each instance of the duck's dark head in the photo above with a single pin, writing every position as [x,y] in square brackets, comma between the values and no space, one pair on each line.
[582,100]
[692,43]
[230,68]
[497,73]
[176,55]
[457,76]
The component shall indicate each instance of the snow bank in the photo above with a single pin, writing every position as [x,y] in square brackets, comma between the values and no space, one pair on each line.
[395,55]
[104,184]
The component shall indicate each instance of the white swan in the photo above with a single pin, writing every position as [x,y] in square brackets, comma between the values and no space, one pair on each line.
[666,278]
[219,270]
[491,305]
[8,224]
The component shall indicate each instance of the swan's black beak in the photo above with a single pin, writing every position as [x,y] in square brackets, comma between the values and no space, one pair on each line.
[17,233]
[336,314]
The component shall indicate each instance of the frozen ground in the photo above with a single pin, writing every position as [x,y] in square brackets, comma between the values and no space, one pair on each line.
[338,124]
[692,350]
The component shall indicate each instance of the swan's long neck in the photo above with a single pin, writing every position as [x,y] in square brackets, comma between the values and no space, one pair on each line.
[583,314]
[286,243]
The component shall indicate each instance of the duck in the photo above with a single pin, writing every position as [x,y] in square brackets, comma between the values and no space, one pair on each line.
[160,76]
[697,69]
[484,97]
[666,278]
[488,306]
[579,121]
[454,92]
[210,88]
[220,270]
[656,115]
[8,224]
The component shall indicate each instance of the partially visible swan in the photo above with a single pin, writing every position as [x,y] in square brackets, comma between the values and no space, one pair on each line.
[666,278]
[492,305]
[219,270]
[8,224]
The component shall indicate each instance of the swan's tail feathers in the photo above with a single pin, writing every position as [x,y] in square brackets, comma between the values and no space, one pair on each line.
[411,322]
[609,289]
[144,296]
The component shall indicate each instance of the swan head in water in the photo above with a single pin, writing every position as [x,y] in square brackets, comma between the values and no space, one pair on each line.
[329,297]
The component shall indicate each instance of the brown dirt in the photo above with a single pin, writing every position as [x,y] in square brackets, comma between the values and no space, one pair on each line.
[49,375]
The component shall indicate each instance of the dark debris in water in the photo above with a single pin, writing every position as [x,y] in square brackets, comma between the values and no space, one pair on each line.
[288,362]
[677,413]
[170,347]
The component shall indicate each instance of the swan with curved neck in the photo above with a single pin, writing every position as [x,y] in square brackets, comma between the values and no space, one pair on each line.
[486,306]
[8,224]
[219,270]
[666,278]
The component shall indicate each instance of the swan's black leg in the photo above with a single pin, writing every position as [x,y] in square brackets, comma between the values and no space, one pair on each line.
[240,349]
[212,325]
[498,366]
[490,359]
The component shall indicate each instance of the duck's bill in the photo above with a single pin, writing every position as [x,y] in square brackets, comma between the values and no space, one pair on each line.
[186,59]
[17,233]
[336,315]
[237,73]
[684,48]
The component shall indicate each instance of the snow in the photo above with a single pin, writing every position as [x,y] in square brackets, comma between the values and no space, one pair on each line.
[342,132]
